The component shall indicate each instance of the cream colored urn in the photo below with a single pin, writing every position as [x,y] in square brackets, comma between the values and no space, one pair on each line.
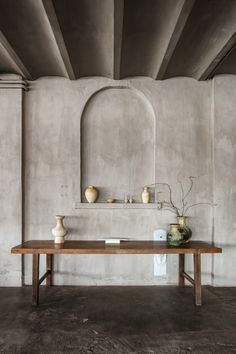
[59,231]
[91,194]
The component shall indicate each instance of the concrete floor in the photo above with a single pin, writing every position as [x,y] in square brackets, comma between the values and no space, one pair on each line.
[117,320]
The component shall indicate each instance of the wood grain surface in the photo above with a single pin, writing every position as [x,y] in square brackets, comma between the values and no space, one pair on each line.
[125,247]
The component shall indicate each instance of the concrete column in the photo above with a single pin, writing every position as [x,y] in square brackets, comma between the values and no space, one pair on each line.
[11,92]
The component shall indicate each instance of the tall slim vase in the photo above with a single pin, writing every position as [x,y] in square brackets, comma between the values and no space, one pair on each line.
[59,231]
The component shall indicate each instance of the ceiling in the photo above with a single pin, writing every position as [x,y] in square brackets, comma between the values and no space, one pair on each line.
[118,38]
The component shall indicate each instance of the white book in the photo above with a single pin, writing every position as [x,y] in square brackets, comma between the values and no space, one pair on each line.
[114,240]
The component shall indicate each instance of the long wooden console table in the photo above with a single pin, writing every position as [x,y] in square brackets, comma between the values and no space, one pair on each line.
[196,248]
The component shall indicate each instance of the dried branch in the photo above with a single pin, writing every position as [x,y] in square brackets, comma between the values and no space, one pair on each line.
[171,206]
[169,209]
[191,178]
[170,203]
[182,195]
[204,203]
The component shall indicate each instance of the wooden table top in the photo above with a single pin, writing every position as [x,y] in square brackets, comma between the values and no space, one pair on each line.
[125,247]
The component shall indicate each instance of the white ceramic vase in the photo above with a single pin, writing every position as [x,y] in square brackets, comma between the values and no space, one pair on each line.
[145,195]
[91,194]
[59,231]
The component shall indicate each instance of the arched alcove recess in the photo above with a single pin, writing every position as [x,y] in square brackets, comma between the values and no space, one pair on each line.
[117,143]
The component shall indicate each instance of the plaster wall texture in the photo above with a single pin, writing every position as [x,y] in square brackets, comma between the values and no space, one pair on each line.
[225,178]
[184,127]
[10,184]
[181,111]
[117,144]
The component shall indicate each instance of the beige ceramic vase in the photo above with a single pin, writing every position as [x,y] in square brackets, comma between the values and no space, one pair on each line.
[59,231]
[145,195]
[91,194]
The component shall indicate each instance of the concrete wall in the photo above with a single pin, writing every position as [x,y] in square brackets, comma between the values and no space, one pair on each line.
[225,178]
[181,110]
[185,115]
[118,150]
[10,184]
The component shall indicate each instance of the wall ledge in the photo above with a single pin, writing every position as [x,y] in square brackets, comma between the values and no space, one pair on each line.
[105,205]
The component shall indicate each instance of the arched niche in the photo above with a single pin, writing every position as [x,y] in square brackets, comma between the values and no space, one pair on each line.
[117,143]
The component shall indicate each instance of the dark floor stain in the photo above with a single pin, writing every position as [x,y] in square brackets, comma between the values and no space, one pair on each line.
[117,320]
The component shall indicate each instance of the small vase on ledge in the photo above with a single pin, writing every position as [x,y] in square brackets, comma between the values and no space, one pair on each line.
[91,194]
[184,229]
[145,195]
[59,231]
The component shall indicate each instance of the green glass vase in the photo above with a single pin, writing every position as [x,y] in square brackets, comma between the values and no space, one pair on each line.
[175,236]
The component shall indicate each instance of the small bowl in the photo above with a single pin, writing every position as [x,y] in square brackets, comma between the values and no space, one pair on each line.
[111,200]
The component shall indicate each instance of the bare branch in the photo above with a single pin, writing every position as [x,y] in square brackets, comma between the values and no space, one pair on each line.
[182,195]
[193,205]
[190,188]
[169,209]
[170,197]
[171,203]
[171,206]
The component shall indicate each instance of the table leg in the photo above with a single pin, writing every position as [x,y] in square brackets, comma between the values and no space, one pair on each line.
[35,280]
[181,269]
[49,266]
[197,280]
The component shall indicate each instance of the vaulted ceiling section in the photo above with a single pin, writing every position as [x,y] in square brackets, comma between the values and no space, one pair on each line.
[118,38]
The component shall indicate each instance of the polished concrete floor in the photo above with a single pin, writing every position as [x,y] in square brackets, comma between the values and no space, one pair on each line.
[117,320]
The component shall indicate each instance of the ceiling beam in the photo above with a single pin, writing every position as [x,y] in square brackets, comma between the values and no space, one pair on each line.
[118,34]
[222,54]
[53,21]
[12,57]
[176,34]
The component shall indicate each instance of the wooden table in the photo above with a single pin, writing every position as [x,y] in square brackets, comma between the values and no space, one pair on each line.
[196,248]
